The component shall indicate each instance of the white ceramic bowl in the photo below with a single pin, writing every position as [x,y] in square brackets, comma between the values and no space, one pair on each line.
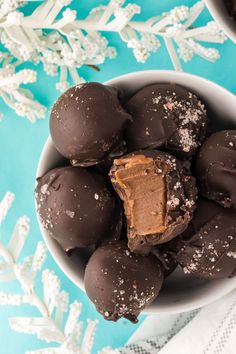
[180,293]
[219,12]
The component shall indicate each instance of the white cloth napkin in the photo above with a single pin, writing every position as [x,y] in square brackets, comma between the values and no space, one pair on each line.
[211,330]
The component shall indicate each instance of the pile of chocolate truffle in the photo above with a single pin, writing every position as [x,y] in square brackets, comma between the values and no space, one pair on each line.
[146,185]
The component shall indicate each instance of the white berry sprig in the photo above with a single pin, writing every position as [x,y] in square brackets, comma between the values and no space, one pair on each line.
[54,36]
[57,321]
[16,97]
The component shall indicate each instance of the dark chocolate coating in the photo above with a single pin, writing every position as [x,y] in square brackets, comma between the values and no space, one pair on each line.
[121,283]
[77,207]
[166,254]
[181,194]
[216,168]
[208,247]
[87,124]
[168,116]
[231,6]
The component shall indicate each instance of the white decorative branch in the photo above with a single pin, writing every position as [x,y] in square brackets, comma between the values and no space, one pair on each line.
[21,100]
[54,305]
[63,43]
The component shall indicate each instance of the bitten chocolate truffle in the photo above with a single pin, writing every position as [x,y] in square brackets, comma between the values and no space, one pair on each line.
[216,168]
[168,116]
[87,124]
[208,246]
[76,207]
[159,197]
[231,6]
[121,283]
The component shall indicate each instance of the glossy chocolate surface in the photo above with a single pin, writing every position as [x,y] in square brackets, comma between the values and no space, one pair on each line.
[87,124]
[166,116]
[216,168]
[208,247]
[77,207]
[121,283]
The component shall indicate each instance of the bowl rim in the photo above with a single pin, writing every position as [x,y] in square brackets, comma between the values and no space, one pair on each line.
[172,308]
[223,22]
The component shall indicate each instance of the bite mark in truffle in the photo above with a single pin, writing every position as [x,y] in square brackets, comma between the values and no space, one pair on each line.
[157,204]
[145,193]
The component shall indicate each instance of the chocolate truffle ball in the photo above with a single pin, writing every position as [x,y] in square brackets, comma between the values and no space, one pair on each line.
[159,197]
[208,246]
[168,116]
[76,207]
[87,124]
[216,168]
[121,283]
[231,6]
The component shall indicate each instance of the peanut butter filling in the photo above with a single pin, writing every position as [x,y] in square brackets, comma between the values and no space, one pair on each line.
[140,182]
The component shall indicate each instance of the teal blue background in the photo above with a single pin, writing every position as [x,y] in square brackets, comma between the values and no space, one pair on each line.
[21,143]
